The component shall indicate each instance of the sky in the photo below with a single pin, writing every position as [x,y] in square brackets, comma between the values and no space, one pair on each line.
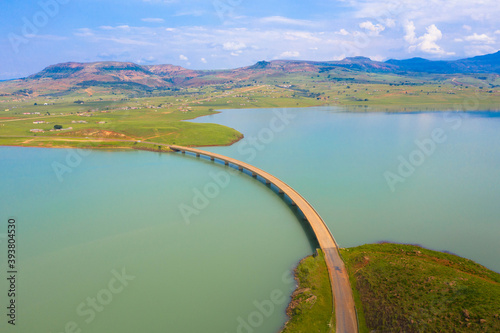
[220,34]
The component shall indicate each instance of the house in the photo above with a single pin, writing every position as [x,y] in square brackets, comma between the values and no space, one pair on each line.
[39,122]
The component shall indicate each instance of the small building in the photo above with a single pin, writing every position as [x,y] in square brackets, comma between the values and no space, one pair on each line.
[36,130]
[39,122]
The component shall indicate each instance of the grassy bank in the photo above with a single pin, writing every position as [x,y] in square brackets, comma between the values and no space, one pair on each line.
[310,309]
[404,288]
[400,288]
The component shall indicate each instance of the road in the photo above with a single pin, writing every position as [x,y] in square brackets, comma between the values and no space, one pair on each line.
[345,312]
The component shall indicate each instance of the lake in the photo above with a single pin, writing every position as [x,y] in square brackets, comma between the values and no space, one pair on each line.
[129,241]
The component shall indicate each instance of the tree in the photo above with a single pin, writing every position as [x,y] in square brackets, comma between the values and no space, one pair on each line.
[57,127]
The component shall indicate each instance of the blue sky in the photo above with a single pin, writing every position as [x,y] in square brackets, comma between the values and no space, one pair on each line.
[216,34]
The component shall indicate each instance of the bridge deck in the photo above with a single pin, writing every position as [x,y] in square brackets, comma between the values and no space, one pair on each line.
[342,294]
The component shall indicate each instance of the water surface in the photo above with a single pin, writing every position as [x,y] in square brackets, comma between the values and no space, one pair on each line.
[207,262]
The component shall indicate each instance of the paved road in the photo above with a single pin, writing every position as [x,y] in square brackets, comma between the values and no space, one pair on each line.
[342,293]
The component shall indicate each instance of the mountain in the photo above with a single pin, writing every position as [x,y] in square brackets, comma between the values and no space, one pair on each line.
[100,73]
[66,77]
[489,63]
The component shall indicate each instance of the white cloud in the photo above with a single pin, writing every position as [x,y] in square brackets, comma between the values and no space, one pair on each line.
[290,54]
[410,35]
[467,27]
[147,60]
[203,60]
[286,21]
[374,29]
[426,43]
[482,39]
[478,49]
[127,41]
[183,57]
[84,32]
[497,32]
[390,23]
[233,46]
[342,32]
[296,35]
[153,20]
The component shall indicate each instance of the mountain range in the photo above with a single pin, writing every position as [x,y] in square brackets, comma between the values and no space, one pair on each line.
[70,76]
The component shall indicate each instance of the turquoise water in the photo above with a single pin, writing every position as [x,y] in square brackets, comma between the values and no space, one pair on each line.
[200,248]
[339,160]
[120,210]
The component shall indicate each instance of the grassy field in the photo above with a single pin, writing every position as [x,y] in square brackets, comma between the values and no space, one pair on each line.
[145,119]
[400,288]
[404,288]
[93,113]
[311,307]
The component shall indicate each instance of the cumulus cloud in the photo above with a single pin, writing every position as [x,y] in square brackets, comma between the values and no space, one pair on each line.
[203,60]
[183,57]
[482,39]
[373,29]
[426,43]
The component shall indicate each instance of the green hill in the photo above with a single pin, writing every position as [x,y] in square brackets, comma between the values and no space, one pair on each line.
[405,288]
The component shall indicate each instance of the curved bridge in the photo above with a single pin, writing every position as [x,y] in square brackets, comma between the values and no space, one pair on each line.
[342,294]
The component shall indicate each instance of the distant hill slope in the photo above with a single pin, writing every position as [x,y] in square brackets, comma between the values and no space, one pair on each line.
[489,63]
[66,77]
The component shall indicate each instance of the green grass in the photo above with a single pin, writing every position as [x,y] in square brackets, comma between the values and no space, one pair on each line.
[153,119]
[404,288]
[160,119]
[311,307]
[400,288]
